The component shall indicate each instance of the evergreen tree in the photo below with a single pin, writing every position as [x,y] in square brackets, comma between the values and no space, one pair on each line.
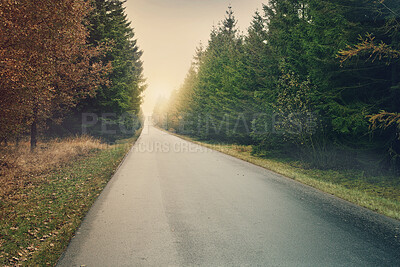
[295,61]
[122,95]
[220,79]
[109,26]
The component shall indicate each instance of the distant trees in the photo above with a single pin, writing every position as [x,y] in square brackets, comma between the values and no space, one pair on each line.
[211,95]
[300,81]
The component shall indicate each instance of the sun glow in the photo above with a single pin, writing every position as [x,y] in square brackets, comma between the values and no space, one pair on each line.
[169,31]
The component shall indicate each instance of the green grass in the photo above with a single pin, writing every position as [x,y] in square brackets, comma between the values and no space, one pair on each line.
[40,219]
[377,193]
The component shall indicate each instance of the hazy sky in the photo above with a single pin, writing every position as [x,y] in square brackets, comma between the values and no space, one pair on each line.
[168,31]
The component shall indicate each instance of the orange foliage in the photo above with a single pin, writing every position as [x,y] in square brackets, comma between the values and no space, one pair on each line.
[45,63]
[367,46]
[384,120]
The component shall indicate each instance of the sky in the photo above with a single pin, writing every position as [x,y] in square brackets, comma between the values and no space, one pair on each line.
[168,32]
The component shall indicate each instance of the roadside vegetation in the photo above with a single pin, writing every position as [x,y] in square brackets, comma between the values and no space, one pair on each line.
[63,65]
[380,193]
[310,90]
[45,195]
[314,80]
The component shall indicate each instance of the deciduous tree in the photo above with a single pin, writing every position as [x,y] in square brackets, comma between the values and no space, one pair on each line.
[45,62]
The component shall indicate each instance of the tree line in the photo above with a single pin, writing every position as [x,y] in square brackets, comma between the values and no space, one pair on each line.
[314,80]
[59,59]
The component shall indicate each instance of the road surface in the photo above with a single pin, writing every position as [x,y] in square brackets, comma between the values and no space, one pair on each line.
[173,203]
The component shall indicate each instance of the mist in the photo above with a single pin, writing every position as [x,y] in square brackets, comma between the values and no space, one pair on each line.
[169,31]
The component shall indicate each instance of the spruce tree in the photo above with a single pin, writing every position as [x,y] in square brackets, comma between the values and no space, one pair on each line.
[109,26]
[122,96]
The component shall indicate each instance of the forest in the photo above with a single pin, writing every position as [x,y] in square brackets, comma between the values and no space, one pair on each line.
[62,59]
[71,84]
[310,92]
[314,81]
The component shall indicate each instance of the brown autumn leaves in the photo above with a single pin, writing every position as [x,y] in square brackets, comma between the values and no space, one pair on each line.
[46,65]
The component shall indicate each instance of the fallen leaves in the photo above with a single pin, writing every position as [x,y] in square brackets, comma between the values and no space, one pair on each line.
[40,220]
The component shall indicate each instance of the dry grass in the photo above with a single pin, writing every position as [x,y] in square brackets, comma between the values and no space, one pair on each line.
[45,194]
[19,167]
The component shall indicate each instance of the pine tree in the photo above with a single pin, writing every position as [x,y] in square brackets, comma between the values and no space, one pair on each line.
[289,62]
[122,95]
[109,26]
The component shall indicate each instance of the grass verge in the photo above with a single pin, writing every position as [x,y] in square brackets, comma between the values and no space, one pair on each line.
[378,193]
[40,216]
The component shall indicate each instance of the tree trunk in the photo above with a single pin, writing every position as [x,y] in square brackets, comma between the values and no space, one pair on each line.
[34,130]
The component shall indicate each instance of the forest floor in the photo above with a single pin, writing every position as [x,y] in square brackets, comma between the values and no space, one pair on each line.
[378,193]
[44,195]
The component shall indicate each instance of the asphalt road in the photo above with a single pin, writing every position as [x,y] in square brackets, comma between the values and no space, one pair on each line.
[173,203]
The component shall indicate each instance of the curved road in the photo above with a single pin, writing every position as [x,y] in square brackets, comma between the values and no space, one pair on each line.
[173,203]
